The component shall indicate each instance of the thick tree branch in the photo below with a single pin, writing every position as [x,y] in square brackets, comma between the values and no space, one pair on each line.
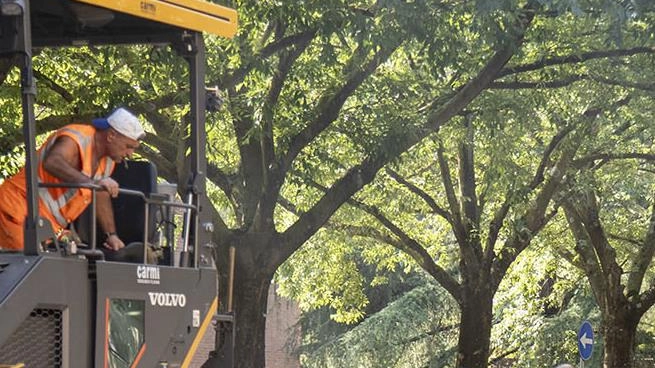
[632,241]
[586,160]
[54,86]
[499,216]
[273,177]
[421,194]
[165,168]
[277,83]
[353,230]
[366,232]
[402,241]
[362,174]
[220,179]
[546,157]
[48,124]
[221,231]
[585,210]
[160,122]
[573,59]
[470,258]
[328,109]
[584,248]
[451,198]
[649,87]
[535,217]
[415,250]
[647,300]
[538,84]
[468,196]
[237,76]
[567,81]
[643,258]
[591,219]
[255,141]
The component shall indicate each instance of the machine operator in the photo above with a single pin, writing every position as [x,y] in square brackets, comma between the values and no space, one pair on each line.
[76,153]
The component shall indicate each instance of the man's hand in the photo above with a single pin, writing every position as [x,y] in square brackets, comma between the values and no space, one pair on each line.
[113,242]
[110,185]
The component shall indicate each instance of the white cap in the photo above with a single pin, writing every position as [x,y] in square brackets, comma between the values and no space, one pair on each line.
[126,123]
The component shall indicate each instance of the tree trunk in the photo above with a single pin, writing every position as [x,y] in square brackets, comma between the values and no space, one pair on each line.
[252,278]
[475,327]
[250,321]
[619,331]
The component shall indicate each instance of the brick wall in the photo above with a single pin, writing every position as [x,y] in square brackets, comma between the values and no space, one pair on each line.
[282,331]
[206,345]
[282,334]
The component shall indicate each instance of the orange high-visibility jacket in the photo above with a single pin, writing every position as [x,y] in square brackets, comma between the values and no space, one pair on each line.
[60,206]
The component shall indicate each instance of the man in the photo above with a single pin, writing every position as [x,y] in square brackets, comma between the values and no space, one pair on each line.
[76,153]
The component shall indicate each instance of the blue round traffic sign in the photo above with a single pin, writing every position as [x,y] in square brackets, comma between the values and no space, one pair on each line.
[585,340]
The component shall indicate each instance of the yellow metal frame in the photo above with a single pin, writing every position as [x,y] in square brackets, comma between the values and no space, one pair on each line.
[199,335]
[195,15]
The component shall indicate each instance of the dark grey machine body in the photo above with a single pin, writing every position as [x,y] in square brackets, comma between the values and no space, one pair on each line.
[63,310]
[45,311]
[54,310]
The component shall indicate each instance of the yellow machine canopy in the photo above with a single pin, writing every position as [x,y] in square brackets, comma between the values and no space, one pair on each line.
[68,22]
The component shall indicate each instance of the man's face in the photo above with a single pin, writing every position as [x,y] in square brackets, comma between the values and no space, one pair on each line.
[121,147]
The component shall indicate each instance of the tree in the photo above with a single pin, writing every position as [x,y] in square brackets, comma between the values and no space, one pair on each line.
[491,206]
[491,224]
[300,115]
[604,219]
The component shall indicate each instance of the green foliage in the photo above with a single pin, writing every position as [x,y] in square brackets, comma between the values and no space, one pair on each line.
[406,333]
[11,162]
[349,276]
[645,349]
[548,341]
[10,110]
[381,287]
[549,299]
[315,288]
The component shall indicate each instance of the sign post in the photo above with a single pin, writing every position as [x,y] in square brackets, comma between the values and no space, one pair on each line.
[585,340]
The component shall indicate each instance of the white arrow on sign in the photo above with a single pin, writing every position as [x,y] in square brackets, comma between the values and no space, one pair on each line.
[584,340]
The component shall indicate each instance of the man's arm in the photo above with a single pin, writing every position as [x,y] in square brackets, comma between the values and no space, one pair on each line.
[106,219]
[63,161]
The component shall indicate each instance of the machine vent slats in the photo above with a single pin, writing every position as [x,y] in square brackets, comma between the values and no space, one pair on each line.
[43,326]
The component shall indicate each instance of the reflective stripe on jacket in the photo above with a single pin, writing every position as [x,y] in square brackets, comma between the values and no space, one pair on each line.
[66,204]
[59,205]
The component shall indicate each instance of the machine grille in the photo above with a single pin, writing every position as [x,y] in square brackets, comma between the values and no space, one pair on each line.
[37,342]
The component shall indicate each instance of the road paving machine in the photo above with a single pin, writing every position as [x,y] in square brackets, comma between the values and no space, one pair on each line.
[64,304]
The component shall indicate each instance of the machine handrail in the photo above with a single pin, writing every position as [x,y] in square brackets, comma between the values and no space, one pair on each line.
[136,193]
[129,192]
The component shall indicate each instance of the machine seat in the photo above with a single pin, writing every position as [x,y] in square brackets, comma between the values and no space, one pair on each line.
[129,213]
